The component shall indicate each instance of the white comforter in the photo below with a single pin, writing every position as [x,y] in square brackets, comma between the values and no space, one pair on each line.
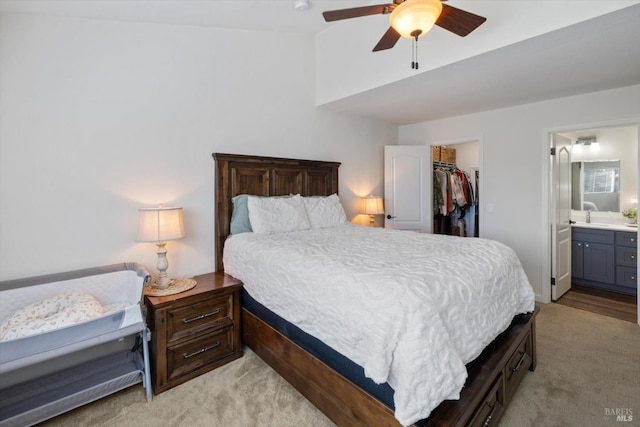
[412,309]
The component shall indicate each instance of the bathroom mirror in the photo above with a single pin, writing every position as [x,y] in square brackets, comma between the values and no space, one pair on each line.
[604,168]
[595,186]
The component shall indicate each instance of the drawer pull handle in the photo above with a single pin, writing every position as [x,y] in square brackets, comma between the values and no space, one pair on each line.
[202,350]
[202,316]
[515,368]
[487,420]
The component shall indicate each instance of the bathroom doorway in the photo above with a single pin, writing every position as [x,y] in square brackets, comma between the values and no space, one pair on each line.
[604,188]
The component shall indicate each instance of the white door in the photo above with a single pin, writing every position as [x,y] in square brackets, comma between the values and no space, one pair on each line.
[560,216]
[407,178]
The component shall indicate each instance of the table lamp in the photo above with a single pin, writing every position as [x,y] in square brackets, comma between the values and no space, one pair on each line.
[372,205]
[160,225]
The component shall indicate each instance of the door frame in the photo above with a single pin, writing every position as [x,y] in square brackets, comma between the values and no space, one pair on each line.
[545,206]
[480,168]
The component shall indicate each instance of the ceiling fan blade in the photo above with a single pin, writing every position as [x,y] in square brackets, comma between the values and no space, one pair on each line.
[387,41]
[458,21]
[355,12]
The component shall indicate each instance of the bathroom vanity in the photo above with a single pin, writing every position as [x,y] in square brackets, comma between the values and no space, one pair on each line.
[605,256]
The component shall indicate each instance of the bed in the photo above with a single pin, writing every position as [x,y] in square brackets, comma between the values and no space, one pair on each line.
[66,338]
[333,382]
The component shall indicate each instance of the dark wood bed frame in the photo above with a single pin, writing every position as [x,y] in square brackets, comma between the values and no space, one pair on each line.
[493,376]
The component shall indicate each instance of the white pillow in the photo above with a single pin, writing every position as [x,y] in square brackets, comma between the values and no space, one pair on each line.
[325,212]
[277,214]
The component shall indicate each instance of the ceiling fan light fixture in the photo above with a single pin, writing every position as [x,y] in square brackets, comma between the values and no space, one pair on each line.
[414,18]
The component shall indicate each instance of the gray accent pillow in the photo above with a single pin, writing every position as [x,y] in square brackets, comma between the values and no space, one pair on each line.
[240,217]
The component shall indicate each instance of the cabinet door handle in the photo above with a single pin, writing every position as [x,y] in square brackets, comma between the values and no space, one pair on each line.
[633,277]
[202,350]
[632,239]
[579,245]
[633,257]
[522,356]
[487,420]
[586,246]
[202,316]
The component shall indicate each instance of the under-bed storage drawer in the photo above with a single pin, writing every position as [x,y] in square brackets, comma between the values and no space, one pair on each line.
[490,410]
[518,365]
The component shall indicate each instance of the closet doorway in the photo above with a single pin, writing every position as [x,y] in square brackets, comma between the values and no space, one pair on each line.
[456,188]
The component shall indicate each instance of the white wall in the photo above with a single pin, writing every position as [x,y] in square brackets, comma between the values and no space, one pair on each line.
[100,118]
[514,156]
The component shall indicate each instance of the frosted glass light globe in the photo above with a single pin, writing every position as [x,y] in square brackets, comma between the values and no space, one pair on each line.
[415,17]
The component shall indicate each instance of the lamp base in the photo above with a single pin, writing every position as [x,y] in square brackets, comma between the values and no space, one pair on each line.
[176,286]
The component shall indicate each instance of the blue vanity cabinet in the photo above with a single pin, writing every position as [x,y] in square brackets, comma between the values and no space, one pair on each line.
[605,259]
[577,259]
[594,256]
[627,260]
[599,263]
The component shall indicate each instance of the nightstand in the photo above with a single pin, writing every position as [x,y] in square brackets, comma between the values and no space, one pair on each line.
[194,331]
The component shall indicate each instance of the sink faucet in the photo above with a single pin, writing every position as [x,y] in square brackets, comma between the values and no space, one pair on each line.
[588,220]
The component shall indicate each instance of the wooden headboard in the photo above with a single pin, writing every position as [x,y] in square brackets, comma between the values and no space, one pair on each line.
[265,176]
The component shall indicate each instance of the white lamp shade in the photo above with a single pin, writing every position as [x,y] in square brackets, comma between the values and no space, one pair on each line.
[160,224]
[415,15]
[372,205]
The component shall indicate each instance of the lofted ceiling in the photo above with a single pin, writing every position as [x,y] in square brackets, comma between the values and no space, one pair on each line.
[597,54]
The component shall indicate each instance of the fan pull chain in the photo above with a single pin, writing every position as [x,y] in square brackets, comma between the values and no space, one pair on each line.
[414,50]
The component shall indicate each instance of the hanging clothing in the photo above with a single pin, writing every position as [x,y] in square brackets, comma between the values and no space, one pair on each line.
[453,196]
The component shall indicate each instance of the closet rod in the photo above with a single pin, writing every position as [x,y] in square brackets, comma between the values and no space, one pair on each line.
[445,164]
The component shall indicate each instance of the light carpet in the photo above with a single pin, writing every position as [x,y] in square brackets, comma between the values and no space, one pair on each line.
[588,373]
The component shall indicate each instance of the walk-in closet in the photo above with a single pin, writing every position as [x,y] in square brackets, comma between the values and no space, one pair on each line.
[456,189]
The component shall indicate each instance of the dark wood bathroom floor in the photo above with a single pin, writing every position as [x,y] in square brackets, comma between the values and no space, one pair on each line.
[611,304]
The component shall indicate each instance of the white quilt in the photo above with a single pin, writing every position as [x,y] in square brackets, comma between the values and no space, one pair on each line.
[412,309]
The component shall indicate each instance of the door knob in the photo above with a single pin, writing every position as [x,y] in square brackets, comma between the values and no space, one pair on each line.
[390,217]
[571,222]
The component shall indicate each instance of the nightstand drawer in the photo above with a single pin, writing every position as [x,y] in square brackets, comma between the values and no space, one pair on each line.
[196,317]
[194,354]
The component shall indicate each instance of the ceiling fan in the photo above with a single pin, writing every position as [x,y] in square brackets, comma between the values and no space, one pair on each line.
[412,19]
